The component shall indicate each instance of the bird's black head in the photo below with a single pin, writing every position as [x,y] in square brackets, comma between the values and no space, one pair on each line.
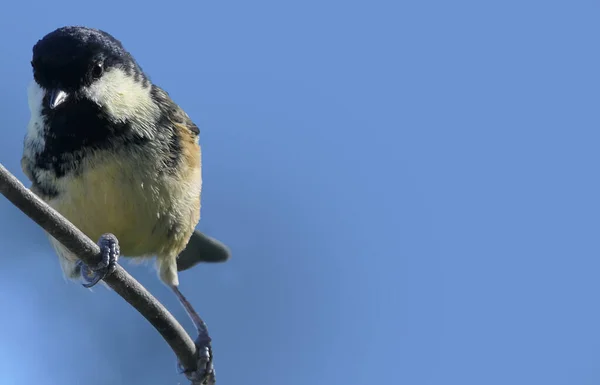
[88,93]
[70,58]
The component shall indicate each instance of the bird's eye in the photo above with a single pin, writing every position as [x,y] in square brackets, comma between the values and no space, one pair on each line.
[97,70]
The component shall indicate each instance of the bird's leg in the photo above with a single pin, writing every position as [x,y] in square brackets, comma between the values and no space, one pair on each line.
[205,373]
[109,252]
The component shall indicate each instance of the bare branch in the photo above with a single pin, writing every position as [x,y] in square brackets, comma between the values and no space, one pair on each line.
[89,252]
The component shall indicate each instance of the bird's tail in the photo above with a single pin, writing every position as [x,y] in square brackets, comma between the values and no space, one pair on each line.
[201,248]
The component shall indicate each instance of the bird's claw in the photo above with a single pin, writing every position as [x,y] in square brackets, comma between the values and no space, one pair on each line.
[205,372]
[109,252]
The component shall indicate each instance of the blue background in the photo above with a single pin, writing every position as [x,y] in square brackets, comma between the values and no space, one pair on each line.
[410,191]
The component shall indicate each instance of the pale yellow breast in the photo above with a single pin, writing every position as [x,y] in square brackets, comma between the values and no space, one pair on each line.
[119,198]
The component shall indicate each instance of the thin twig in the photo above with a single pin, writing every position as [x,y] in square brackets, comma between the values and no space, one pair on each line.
[89,252]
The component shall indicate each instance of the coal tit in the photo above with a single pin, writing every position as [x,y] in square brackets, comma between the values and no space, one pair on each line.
[111,152]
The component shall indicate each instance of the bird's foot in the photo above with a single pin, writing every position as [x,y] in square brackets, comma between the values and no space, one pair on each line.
[205,371]
[109,252]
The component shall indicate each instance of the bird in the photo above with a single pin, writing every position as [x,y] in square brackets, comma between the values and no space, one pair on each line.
[115,155]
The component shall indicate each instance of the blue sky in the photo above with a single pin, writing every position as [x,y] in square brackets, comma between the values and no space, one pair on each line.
[410,191]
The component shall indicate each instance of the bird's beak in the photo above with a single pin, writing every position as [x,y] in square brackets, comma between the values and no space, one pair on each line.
[57,97]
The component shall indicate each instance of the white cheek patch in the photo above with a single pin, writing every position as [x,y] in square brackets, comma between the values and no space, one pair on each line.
[34,140]
[124,97]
